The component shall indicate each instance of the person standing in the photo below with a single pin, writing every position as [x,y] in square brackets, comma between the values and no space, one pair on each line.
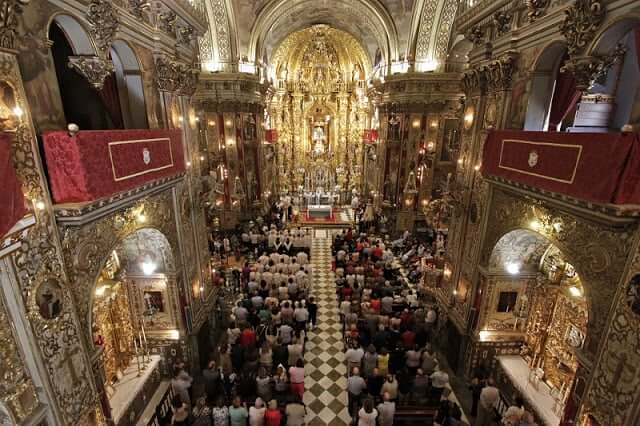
[355,386]
[238,413]
[489,397]
[387,410]
[256,413]
[367,414]
[312,307]
[220,414]
[202,413]
[273,416]
[295,412]
[296,377]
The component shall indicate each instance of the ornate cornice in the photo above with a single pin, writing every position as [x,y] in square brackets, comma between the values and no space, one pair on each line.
[95,69]
[476,34]
[172,76]
[167,22]
[104,25]
[581,22]
[495,76]
[9,12]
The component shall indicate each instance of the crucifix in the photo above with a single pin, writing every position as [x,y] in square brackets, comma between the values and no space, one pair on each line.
[67,361]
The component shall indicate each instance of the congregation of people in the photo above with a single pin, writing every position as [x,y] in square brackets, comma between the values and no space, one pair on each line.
[389,324]
[257,378]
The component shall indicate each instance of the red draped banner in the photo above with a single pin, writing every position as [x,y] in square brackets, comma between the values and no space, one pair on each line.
[97,164]
[11,196]
[597,167]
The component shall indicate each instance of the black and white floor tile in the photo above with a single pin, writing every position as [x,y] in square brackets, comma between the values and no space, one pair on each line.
[325,370]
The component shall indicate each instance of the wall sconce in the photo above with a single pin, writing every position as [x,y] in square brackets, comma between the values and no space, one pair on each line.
[434,124]
[468,118]
[211,123]
[476,167]
[416,124]
[460,161]
[18,112]
[40,205]
[230,142]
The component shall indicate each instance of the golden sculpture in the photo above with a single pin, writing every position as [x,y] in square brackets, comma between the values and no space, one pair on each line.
[320,110]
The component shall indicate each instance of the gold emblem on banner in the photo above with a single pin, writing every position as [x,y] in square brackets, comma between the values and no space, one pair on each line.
[533,158]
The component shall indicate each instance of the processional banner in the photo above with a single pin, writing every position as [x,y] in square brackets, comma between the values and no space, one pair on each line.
[597,167]
[95,164]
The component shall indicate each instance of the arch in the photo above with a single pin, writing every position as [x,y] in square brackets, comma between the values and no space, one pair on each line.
[542,86]
[533,247]
[457,59]
[622,78]
[75,32]
[128,74]
[277,11]
[608,37]
[152,236]
[431,33]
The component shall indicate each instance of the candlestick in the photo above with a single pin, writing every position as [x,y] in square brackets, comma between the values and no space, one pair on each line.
[141,350]
[135,345]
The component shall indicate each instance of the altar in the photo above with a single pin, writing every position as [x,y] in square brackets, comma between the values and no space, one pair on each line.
[538,394]
[319,211]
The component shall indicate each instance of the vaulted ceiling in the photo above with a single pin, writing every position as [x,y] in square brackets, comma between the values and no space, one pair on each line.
[251,30]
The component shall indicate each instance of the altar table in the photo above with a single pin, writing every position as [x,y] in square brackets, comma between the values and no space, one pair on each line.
[319,211]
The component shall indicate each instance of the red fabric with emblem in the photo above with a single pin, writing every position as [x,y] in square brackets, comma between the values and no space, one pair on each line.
[11,196]
[597,167]
[96,164]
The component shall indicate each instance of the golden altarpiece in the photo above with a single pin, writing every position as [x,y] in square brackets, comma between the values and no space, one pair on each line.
[320,111]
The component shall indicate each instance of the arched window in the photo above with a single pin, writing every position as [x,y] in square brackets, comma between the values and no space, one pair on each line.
[82,104]
[128,79]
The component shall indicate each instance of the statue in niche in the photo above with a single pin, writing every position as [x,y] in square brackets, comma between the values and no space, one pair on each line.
[8,118]
[358,74]
[394,128]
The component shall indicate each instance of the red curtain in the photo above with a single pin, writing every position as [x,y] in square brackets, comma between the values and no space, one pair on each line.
[111,99]
[11,196]
[565,98]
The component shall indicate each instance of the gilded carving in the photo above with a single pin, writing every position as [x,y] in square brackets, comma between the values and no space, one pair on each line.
[17,392]
[104,25]
[86,248]
[93,68]
[588,69]
[167,22]
[581,22]
[172,76]
[536,8]
[502,22]
[598,253]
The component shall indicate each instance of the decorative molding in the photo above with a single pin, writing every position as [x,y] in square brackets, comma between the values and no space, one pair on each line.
[497,75]
[94,68]
[476,34]
[581,23]
[140,8]
[167,22]
[588,69]
[502,22]
[104,24]
[536,8]
[220,24]
[172,76]
[9,12]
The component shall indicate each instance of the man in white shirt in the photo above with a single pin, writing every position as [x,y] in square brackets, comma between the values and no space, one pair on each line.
[302,258]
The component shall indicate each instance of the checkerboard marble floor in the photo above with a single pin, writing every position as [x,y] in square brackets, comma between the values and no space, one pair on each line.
[325,380]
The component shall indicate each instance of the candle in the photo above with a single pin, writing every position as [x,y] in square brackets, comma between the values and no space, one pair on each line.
[135,344]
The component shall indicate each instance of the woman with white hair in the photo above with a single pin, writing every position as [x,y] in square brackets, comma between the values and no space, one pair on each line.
[256,413]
